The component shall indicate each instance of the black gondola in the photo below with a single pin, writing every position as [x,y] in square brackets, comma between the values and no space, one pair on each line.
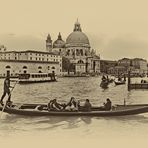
[33,110]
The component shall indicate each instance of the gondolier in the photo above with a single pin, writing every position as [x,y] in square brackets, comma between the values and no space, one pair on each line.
[6,90]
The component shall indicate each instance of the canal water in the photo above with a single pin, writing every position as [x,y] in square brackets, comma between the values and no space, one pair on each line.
[127,127]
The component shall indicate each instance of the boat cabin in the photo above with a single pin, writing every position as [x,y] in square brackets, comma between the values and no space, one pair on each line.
[36,77]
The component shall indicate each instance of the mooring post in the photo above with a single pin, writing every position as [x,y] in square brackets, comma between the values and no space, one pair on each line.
[129,80]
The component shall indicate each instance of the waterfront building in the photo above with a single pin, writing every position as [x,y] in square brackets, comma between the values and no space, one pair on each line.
[140,65]
[137,66]
[77,50]
[29,61]
[108,66]
[126,62]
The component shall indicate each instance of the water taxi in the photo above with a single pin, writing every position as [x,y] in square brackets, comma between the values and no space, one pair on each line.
[36,77]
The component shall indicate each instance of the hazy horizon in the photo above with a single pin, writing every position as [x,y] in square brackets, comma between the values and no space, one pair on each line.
[116,29]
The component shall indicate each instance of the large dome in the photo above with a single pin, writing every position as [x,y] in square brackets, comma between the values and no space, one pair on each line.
[77,37]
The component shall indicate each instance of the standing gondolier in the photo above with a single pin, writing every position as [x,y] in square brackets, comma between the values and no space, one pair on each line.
[6,90]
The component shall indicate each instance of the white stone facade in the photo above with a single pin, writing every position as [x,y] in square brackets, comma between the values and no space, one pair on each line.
[29,62]
[77,49]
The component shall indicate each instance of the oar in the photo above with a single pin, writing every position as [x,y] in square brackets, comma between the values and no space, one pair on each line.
[6,101]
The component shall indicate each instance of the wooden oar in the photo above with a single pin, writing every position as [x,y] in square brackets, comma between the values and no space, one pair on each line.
[6,101]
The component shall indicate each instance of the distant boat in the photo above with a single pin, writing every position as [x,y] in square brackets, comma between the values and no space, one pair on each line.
[36,78]
[119,82]
[33,110]
[77,75]
[104,84]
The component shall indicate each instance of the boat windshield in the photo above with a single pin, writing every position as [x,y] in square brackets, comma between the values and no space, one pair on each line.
[24,76]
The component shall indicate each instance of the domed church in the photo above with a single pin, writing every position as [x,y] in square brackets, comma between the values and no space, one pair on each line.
[77,50]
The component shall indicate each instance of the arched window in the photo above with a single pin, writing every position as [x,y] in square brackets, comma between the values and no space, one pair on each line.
[80,62]
[24,67]
[39,67]
[53,67]
[8,66]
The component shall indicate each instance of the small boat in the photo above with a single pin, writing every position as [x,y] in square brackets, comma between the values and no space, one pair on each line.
[33,110]
[119,82]
[77,75]
[138,86]
[104,84]
[36,78]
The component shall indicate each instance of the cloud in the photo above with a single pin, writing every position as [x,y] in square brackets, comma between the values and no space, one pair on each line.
[22,42]
[123,45]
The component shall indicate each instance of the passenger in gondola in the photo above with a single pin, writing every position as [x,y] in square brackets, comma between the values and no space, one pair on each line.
[119,79]
[72,105]
[87,106]
[106,106]
[53,105]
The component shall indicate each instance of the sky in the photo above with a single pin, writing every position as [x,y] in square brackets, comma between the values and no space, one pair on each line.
[115,28]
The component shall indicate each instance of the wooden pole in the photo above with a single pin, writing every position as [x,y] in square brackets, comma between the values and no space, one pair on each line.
[129,80]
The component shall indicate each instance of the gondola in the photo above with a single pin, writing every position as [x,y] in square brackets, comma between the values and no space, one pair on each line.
[104,84]
[41,110]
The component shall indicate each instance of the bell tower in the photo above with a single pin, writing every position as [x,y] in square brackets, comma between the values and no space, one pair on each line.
[49,43]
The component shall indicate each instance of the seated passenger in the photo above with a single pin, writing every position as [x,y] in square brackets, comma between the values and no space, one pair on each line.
[119,79]
[54,105]
[39,108]
[87,106]
[72,105]
[108,104]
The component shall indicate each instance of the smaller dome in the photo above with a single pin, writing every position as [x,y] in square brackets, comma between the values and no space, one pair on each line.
[59,43]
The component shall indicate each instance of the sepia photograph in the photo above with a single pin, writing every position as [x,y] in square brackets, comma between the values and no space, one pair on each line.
[73,73]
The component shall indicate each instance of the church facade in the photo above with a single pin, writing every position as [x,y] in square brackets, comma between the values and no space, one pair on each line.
[77,50]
